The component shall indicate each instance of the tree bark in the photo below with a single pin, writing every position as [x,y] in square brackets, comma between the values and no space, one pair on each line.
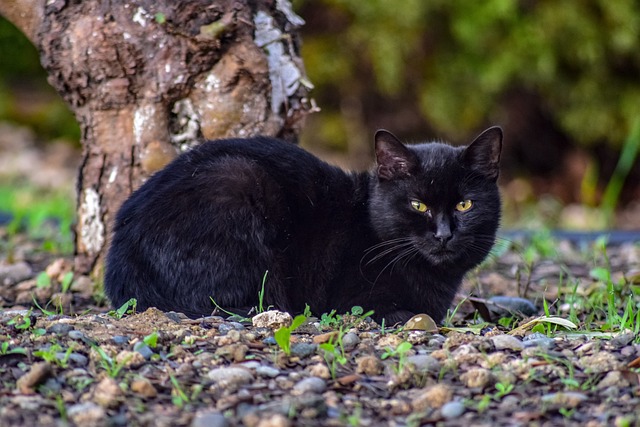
[147,79]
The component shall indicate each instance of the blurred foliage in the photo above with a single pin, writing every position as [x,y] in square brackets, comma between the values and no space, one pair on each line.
[458,59]
[25,96]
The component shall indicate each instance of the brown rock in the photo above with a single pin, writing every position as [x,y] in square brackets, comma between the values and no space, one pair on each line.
[433,397]
[144,388]
[107,393]
[476,378]
[36,375]
[369,365]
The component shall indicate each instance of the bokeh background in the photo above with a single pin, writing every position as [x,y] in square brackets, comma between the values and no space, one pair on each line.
[561,78]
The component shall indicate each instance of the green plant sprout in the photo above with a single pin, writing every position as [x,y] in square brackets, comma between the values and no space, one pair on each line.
[5,349]
[111,367]
[400,352]
[128,307]
[151,340]
[283,335]
[51,355]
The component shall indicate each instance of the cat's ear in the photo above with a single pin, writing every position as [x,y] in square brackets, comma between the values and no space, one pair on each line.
[483,154]
[394,159]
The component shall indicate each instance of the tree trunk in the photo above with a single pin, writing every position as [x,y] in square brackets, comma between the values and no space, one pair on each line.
[146,79]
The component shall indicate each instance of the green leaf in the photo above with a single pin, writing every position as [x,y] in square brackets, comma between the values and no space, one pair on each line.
[600,273]
[152,339]
[43,280]
[66,281]
[297,322]
[283,337]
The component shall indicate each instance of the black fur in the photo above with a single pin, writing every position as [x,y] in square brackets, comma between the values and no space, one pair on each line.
[214,220]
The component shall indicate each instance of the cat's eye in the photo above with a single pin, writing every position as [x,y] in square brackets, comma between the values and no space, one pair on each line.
[419,206]
[464,206]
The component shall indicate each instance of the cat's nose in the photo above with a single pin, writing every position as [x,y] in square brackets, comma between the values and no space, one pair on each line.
[443,230]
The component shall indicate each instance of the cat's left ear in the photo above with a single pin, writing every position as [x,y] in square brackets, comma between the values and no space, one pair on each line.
[483,154]
[394,159]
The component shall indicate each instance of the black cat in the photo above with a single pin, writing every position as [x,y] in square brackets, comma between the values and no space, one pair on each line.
[397,240]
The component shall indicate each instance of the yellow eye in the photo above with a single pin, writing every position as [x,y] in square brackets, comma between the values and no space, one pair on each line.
[419,206]
[464,205]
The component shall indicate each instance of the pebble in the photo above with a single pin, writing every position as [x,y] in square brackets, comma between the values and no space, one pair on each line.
[82,285]
[267,371]
[421,322]
[424,363]
[74,334]
[15,273]
[516,304]
[311,384]
[600,362]
[107,393]
[565,399]
[538,339]
[144,349]
[87,414]
[302,349]
[76,358]
[476,378]
[433,397]
[507,342]
[120,339]
[623,339]
[369,365]
[272,319]
[452,409]
[8,315]
[210,419]
[350,340]
[269,341]
[60,328]
[230,376]
[143,387]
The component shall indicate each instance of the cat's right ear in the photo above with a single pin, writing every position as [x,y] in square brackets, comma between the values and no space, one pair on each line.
[483,154]
[394,159]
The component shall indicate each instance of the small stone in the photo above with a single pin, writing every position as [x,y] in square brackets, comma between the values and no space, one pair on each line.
[303,349]
[230,376]
[320,370]
[389,340]
[234,352]
[267,371]
[369,365]
[209,419]
[107,393]
[76,335]
[433,397]
[144,388]
[130,358]
[350,340]
[452,409]
[326,337]
[120,340]
[311,384]
[175,317]
[87,414]
[60,328]
[421,322]
[511,304]
[476,378]
[507,342]
[623,339]
[424,363]
[15,273]
[144,349]
[274,420]
[77,358]
[272,319]
[613,378]
[566,399]
[537,339]
[599,363]
[36,375]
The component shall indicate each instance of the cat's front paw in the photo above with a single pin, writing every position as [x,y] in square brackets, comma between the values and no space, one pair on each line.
[397,317]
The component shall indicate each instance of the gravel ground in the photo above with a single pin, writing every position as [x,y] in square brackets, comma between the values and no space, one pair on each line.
[76,363]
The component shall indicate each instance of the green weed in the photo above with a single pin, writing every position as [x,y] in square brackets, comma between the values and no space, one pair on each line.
[401,352]
[128,307]
[283,335]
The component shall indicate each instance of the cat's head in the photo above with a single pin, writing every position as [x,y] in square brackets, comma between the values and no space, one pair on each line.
[435,200]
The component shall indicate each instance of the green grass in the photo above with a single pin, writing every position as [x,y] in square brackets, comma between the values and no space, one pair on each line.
[46,216]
